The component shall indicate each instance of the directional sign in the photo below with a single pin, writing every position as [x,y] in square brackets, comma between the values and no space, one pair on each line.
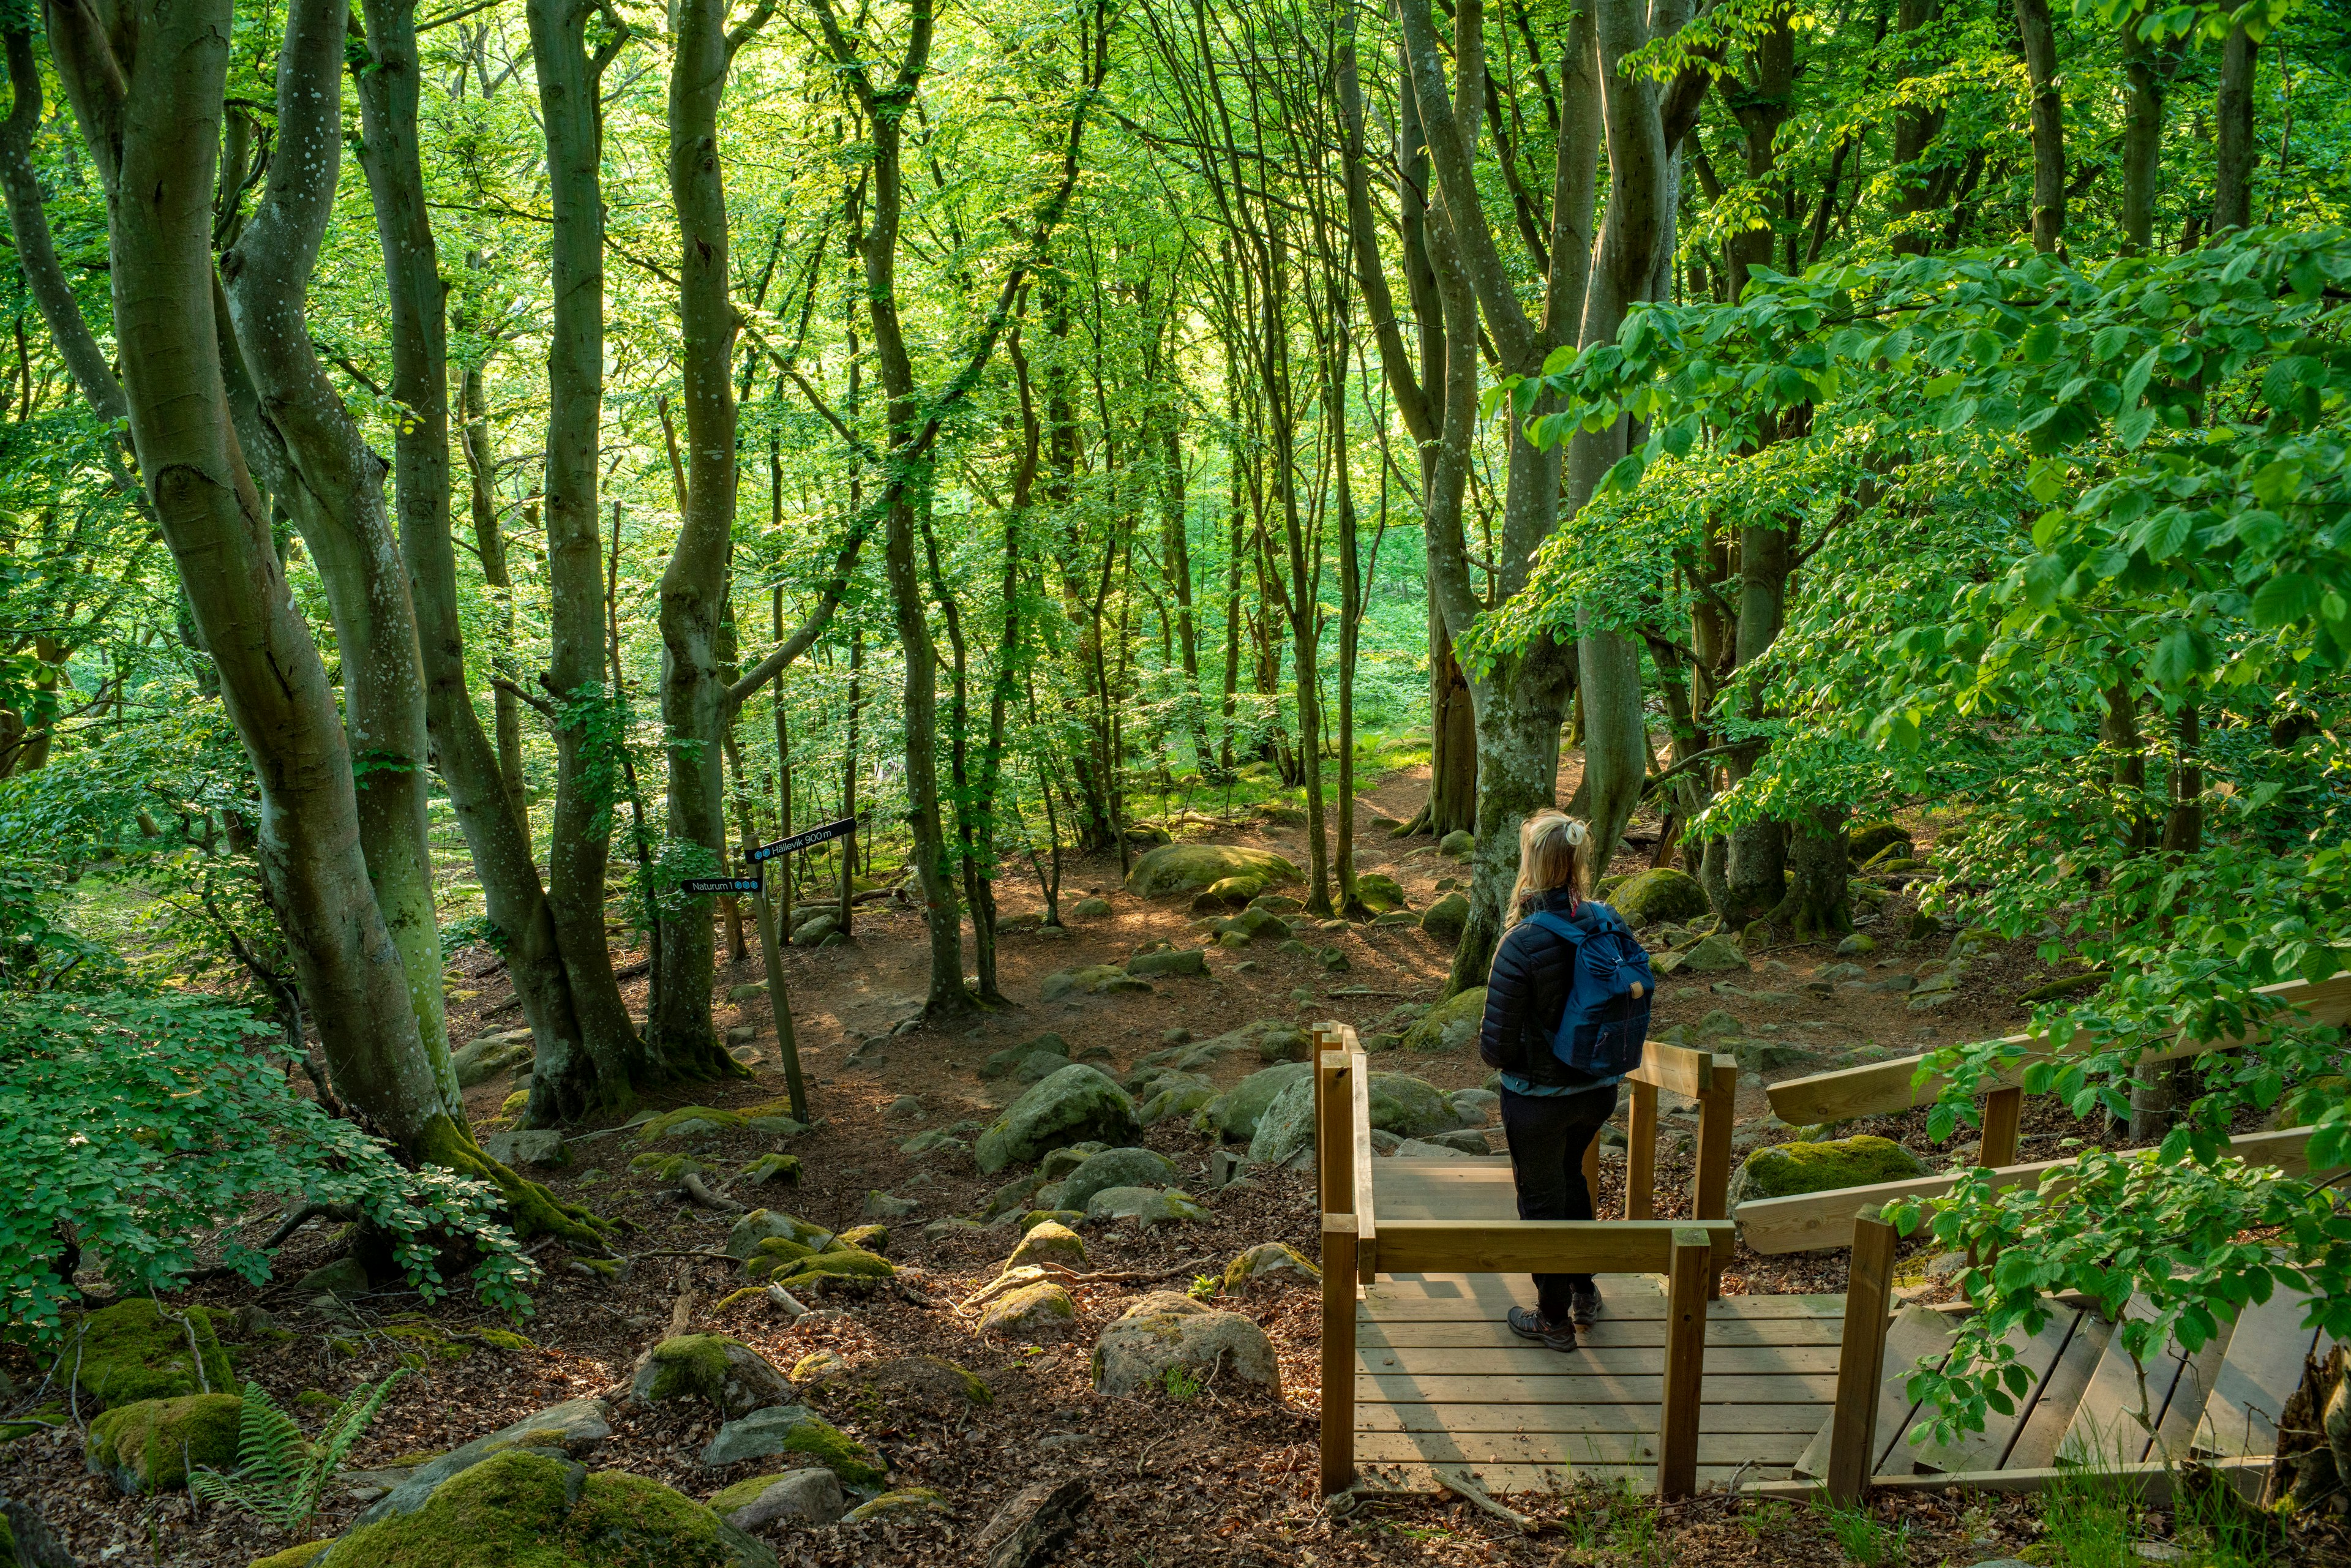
[721,885]
[801,840]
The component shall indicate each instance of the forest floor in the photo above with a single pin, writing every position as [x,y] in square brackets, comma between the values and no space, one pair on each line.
[1219,1478]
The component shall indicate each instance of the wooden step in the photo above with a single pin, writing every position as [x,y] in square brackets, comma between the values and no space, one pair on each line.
[2260,1373]
[2111,1424]
[2039,1355]
[1918,1335]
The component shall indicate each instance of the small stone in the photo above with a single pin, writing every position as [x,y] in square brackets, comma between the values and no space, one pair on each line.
[1164,1329]
[745,993]
[1854,946]
[905,1108]
[1090,909]
[914,1499]
[1050,1242]
[1459,844]
[881,1206]
[812,1494]
[1145,1206]
[533,1147]
[818,1363]
[1276,1261]
[1034,1313]
[726,1374]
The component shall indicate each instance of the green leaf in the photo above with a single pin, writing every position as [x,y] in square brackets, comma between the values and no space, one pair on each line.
[2134,426]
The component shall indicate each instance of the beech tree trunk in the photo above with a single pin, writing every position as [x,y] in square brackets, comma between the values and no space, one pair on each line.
[611,1058]
[2039,38]
[2232,112]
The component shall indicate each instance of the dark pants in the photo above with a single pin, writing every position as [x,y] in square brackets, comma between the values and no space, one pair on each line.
[1547,1134]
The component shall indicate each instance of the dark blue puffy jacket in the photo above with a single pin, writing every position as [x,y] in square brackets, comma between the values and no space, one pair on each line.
[1534,970]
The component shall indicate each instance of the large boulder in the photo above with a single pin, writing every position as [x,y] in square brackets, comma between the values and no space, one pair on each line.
[1446,918]
[1164,1331]
[479,1060]
[1379,893]
[1409,1107]
[812,1494]
[1182,868]
[149,1446]
[1452,1025]
[1169,961]
[1663,894]
[1116,1168]
[1032,1314]
[1147,1205]
[530,1507]
[795,1430]
[726,1374]
[1786,1170]
[1071,1105]
[1236,1114]
[572,1430]
[1091,980]
[133,1351]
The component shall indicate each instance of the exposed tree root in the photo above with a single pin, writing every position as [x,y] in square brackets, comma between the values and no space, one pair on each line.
[534,1211]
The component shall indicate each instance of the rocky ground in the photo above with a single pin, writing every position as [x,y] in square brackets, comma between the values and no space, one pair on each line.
[1217,1468]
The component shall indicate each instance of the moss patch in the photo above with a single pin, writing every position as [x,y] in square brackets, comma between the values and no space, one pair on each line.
[742,1494]
[300,1556]
[865,1238]
[680,1123]
[847,1267]
[534,1211]
[148,1446]
[913,1499]
[837,1451]
[1786,1170]
[785,1169]
[776,1253]
[667,1167]
[132,1351]
[527,1511]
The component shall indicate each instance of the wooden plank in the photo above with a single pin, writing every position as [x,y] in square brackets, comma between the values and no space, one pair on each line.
[1916,1334]
[2106,1424]
[1689,1283]
[2054,1402]
[1641,1154]
[1338,1421]
[1710,1187]
[2150,1483]
[1774,1450]
[1821,1221]
[1677,1069]
[2038,1355]
[1526,1357]
[1470,1188]
[2260,1373]
[1334,1147]
[1390,1387]
[2183,1414]
[1532,1246]
[1608,1333]
[1861,1360]
[1884,1088]
[1641,1419]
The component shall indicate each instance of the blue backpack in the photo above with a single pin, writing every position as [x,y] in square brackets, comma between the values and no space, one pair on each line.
[1605,1025]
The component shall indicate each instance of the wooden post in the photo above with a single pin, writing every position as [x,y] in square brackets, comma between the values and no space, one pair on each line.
[763,915]
[1861,1360]
[1641,1154]
[1710,1197]
[1678,1417]
[1334,1137]
[2003,1108]
[1338,1352]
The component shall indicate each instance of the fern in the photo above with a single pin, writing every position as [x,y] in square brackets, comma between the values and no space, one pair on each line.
[279,1473]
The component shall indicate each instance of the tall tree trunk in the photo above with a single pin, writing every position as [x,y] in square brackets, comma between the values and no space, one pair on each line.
[490,545]
[694,586]
[1916,127]
[488,812]
[2039,38]
[2142,138]
[587,734]
[336,497]
[2232,112]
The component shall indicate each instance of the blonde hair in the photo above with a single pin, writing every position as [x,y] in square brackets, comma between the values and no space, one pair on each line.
[1551,855]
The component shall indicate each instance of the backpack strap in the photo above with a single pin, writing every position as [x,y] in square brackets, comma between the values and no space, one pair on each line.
[1559,926]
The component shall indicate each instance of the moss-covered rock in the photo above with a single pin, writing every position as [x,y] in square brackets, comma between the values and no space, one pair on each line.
[795,1430]
[1235,1117]
[688,1124]
[1169,961]
[842,1268]
[1032,1314]
[148,1446]
[724,1372]
[1147,1206]
[1234,890]
[1459,845]
[1076,1103]
[664,1168]
[1182,1095]
[867,1237]
[782,1169]
[765,1224]
[1269,1261]
[1116,1168]
[1451,1025]
[301,1556]
[1865,842]
[896,1504]
[1446,918]
[1182,868]
[133,1351]
[812,1494]
[775,1253]
[1163,1331]
[1784,1170]
[1662,893]
[1051,1242]
[1091,980]
[529,1510]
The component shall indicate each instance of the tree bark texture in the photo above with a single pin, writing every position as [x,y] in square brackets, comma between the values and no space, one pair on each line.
[2039,38]
[2232,112]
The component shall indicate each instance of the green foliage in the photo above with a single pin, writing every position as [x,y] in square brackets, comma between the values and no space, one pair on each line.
[139,1125]
[279,1474]
[1866,1543]
[1183,1384]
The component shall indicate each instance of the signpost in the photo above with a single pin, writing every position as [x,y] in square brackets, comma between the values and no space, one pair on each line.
[721,885]
[803,839]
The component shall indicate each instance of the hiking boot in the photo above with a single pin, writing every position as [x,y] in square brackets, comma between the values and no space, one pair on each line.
[1584,1305]
[1527,1324]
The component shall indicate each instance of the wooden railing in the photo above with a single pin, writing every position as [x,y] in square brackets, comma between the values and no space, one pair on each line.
[1356,1245]
[1825,1220]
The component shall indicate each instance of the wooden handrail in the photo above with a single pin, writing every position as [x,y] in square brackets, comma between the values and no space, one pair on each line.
[1884,1088]
[1820,1221]
[1539,1245]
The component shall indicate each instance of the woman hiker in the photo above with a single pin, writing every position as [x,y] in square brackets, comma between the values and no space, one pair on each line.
[1551,1110]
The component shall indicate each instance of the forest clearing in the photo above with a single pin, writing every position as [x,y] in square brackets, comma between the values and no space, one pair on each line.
[1557,782]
